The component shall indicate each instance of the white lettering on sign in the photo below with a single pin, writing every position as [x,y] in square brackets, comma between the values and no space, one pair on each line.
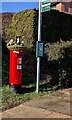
[48,4]
[19,67]
[47,0]
[19,60]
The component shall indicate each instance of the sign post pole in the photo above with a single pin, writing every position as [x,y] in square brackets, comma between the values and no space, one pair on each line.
[39,39]
[44,5]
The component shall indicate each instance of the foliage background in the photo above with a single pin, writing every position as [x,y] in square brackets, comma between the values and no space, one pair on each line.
[57,36]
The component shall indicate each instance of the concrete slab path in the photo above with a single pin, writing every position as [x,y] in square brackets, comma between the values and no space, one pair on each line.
[24,111]
[58,105]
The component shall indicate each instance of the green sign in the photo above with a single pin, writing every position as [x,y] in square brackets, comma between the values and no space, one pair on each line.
[47,8]
[36,48]
[45,5]
[39,49]
[45,2]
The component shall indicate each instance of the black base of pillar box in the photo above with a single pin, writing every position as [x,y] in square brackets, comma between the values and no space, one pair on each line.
[15,88]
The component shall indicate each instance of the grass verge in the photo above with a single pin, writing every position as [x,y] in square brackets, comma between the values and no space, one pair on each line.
[10,100]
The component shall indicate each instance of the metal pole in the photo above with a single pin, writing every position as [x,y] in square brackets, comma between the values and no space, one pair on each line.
[39,39]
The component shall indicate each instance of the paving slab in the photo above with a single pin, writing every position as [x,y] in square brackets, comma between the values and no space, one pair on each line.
[59,101]
[24,111]
[51,103]
[57,115]
[57,105]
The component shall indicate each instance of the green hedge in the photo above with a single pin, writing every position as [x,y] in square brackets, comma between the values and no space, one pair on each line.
[6,23]
[55,26]
[57,36]
[23,25]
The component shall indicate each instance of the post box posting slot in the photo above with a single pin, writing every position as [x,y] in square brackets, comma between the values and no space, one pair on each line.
[20,55]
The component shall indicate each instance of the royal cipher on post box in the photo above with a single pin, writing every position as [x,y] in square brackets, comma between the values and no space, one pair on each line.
[15,73]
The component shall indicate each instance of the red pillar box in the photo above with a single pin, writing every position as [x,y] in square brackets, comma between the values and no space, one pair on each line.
[15,76]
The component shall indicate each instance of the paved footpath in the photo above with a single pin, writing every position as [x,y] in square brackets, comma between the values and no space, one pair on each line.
[58,105]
